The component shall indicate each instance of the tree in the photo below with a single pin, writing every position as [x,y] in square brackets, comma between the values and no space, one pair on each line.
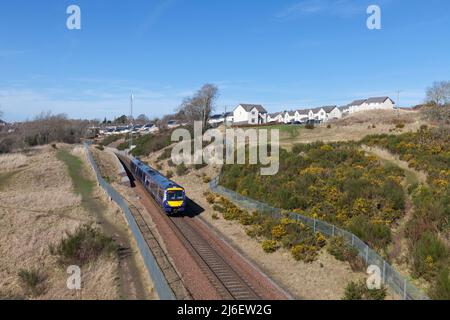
[439,93]
[200,105]
[122,120]
[142,119]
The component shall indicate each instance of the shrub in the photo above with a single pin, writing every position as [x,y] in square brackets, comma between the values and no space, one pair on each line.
[306,253]
[32,281]
[166,154]
[278,232]
[429,253]
[344,252]
[441,287]
[86,244]
[100,147]
[269,246]
[359,291]
[169,174]
[182,170]
[218,208]
[309,126]
[400,125]
[206,179]
[171,164]
[377,235]
[210,197]
[215,216]
[329,126]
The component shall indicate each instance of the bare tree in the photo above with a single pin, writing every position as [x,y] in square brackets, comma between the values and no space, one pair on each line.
[142,119]
[439,93]
[200,105]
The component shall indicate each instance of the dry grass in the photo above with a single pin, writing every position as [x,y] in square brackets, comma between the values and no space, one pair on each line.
[12,161]
[37,208]
[355,127]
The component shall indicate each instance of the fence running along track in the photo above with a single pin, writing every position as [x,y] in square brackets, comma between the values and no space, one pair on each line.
[390,276]
[162,286]
[224,278]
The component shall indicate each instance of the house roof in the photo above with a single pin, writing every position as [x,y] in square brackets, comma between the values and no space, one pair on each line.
[2,122]
[377,100]
[357,102]
[274,115]
[216,116]
[250,107]
[290,113]
[328,109]
[304,111]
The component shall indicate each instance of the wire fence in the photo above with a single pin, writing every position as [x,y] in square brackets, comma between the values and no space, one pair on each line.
[390,277]
[159,281]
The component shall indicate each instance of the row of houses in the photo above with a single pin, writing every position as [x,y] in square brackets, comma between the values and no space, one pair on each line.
[255,114]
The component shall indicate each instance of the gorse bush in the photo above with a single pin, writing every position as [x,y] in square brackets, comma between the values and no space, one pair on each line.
[360,291]
[85,245]
[429,255]
[343,252]
[333,182]
[427,150]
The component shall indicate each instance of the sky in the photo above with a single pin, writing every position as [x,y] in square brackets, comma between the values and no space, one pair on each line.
[283,54]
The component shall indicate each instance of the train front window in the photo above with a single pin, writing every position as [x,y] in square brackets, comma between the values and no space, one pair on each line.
[174,195]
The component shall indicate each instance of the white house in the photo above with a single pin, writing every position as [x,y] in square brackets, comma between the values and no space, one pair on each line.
[275,117]
[216,119]
[301,115]
[377,103]
[250,114]
[333,112]
[289,116]
[221,118]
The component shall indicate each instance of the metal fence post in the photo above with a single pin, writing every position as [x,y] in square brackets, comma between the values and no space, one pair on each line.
[384,271]
[353,239]
[314,225]
[404,290]
[334,230]
[367,254]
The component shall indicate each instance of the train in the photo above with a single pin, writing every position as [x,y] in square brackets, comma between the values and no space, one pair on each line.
[170,196]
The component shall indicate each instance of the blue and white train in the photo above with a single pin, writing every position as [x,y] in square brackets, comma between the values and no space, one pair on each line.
[169,195]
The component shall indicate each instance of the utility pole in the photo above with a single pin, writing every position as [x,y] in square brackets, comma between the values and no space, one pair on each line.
[398,103]
[131,121]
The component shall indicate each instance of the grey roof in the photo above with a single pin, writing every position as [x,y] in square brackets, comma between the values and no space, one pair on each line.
[273,115]
[250,107]
[304,111]
[315,110]
[343,108]
[216,116]
[290,113]
[328,109]
[378,100]
[357,102]
[229,114]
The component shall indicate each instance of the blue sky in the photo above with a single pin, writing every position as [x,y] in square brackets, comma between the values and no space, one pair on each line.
[282,54]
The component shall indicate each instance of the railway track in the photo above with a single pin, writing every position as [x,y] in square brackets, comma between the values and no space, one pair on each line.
[227,281]
[219,265]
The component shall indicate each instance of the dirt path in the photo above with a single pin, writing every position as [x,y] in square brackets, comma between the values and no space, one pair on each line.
[399,242]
